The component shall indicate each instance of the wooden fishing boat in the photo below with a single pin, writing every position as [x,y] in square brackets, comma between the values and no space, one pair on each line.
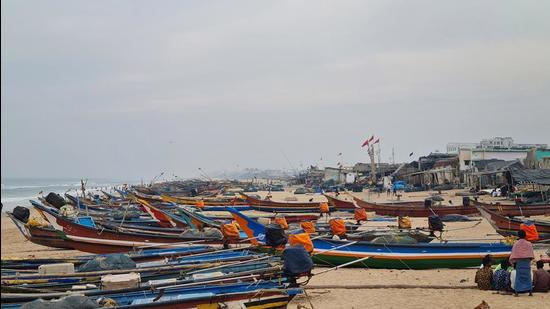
[398,256]
[417,209]
[191,297]
[247,271]
[41,235]
[275,206]
[414,211]
[290,217]
[207,201]
[146,255]
[516,210]
[339,204]
[510,226]
[96,240]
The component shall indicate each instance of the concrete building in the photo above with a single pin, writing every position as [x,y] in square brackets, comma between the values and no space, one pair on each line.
[493,143]
[468,157]
[338,175]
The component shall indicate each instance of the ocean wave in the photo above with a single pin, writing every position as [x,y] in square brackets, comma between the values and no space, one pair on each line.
[64,185]
[16,187]
[6,200]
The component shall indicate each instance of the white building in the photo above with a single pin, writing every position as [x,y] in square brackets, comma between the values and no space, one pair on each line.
[493,143]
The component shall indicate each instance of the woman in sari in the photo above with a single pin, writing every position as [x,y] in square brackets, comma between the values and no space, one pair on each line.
[522,254]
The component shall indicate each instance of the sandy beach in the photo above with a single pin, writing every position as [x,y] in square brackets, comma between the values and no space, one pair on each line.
[337,289]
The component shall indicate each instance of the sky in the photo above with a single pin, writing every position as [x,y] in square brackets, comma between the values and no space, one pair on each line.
[129,89]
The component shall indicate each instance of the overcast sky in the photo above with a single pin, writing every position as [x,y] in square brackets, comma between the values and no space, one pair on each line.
[128,89]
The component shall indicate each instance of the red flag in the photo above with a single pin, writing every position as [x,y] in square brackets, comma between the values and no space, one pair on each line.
[365,143]
[376,141]
[371,138]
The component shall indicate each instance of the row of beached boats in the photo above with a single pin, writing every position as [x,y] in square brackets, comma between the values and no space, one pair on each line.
[173,238]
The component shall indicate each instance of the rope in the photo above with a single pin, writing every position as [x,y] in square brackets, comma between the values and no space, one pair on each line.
[309,299]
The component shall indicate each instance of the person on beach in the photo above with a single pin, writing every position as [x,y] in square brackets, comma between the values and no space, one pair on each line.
[541,278]
[484,275]
[522,254]
[501,277]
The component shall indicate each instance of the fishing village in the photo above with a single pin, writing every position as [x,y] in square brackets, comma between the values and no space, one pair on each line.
[242,154]
[311,240]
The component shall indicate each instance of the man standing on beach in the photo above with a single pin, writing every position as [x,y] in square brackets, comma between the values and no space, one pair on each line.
[522,254]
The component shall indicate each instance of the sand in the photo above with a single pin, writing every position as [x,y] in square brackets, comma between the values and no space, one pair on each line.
[15,245]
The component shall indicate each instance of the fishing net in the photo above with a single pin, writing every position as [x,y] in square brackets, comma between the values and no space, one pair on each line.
[69,302]
[108,262]
[394,239]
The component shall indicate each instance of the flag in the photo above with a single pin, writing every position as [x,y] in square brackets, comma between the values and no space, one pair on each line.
[410,154]
[377,140]
[371,138]
[365,143]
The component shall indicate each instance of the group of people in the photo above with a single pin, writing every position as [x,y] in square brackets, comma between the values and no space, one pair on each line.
[514,275]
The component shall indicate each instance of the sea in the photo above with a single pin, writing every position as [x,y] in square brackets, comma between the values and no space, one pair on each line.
[18,191]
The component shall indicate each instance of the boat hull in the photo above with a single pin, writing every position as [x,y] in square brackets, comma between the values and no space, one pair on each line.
[415,256]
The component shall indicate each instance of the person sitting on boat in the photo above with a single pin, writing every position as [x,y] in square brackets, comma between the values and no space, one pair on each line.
[67,211]
[484,275]
[522,254]
[541,278]
[501,277]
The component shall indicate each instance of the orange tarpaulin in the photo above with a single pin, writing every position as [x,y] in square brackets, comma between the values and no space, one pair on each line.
[282,222]
[230,231]
[301,239]
[337,226]
[308,227]
[323,208]
[199,204]
[360,214]
[531,231]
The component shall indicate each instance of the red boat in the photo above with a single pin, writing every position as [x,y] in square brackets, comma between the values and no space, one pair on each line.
[273,206]
[339,204]
[510,226]
[512,210]
[41,235]
[101,240]
[415,210]
[418,209]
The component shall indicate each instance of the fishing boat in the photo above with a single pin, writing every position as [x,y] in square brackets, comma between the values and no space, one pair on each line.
[506,226]
[193,296]
[339,204]
[207,201]
[276,206]
[40,234]
[515,210]
[90,238]
[414,210]
[394,256]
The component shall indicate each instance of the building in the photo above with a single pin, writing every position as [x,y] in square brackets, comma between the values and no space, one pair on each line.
[468,158]
[493,143]
[455,147]
[338,175]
